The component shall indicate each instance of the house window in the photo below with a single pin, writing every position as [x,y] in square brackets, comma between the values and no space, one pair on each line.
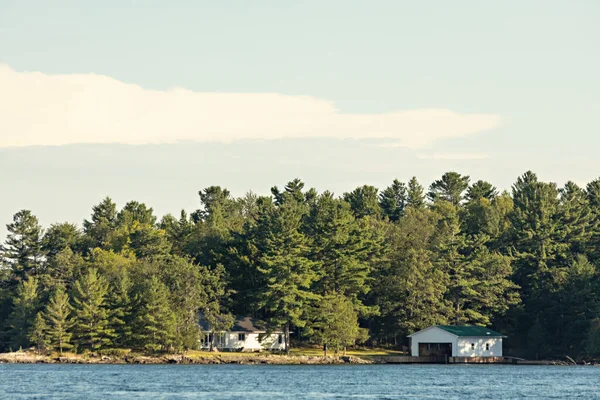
[242,337]
[487,346]
[472,346]
[280,339]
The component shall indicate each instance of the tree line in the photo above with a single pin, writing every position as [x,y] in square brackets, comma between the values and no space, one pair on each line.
[371,266]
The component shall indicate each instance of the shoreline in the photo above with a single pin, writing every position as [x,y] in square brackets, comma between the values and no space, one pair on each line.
[22,357]
[217,358]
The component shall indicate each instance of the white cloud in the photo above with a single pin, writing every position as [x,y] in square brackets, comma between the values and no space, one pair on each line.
[453,156]
[41,109]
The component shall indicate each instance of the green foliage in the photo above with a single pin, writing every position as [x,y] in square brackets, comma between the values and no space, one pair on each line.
[102,222]
[24,311]
[415,194]
[364,201]
[335,323]
[393,200]
[481,190]
[58,319]
[450,188]
[38,333]
[154,320]
[22,250]
[285,264]
[332,268]
[91,328]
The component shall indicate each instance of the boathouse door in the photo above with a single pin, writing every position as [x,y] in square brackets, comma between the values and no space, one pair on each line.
[435,349]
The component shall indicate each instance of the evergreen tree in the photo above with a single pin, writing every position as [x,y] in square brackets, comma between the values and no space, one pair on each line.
[38,333]
[450,188]
[22,250]
[182,279]
[341,248]
[335,323]
[415,194]
[178,231]
[287,268]
[213,298]
[120,310]
[154,324]
[135,212]
[103,221]
[59,237]
[481,190]
[62,269]
[576,219]
[24,310]
[58,313]
[393,200]
[535,233]
[90,312]
[364,201]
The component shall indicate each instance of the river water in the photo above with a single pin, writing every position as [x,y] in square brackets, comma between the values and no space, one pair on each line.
[89,382]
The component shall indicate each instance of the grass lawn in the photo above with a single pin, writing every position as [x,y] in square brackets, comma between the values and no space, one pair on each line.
[313,351]
[301,351]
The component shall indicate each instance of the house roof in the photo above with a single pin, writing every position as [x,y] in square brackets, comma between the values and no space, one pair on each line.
[241,324]
[248,324]
[466,330]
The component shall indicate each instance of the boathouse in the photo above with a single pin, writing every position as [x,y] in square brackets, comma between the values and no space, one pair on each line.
[456,341]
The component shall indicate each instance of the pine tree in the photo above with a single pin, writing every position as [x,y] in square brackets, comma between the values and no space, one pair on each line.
[24,311]
[120,310]
[450,188]
[364,201]
[335,323]
[479,285]
[481,190]
[23,247]
[91,327]
[62,269]
[135,212]
[213,298]
[59,237]
[592,192]
[288,271]
[415,194]
[342,248]
[38,333]
[102,222]
[576,219]
[58,312]
[393,200]
[182,279]
[154,324]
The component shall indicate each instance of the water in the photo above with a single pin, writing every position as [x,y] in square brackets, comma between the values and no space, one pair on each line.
[91,382]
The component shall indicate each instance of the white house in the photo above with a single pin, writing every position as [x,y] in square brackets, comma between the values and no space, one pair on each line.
[456,341]
[247,334]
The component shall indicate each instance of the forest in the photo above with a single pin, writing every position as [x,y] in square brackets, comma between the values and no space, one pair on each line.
[366,268]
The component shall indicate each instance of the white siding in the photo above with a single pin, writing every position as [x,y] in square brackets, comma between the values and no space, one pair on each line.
[475,347]
[461,346]
[432,335]
[251,342]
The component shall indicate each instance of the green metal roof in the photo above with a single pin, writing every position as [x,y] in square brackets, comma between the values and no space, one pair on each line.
[468,330]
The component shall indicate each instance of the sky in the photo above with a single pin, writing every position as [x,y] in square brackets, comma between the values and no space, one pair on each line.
[155,100]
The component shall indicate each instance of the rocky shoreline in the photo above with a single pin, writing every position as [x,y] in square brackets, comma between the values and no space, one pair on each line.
[268,359]
[27,357]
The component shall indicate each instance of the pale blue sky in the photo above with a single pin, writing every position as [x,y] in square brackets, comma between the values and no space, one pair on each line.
[535,64]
